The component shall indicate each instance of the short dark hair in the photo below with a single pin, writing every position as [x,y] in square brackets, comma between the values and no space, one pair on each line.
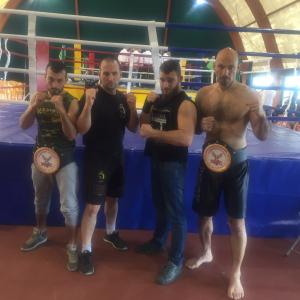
[111,58]
[57,66]
[169,66]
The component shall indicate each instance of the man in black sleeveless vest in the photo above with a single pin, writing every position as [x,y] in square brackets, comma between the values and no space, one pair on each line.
[105,114]
[168,122]
[56,112]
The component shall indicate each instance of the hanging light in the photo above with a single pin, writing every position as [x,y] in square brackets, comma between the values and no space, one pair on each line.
[200,2]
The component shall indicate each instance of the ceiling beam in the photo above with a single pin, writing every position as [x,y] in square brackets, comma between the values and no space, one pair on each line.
[269,39]
[227,20]
[276,11]
[12,4]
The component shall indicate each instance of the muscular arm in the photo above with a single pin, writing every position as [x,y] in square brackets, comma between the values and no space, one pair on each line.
[145,115]
[198,100]
[144,118]
[183,136]
[133,121]
[257,117]
[27,118]
[84,121]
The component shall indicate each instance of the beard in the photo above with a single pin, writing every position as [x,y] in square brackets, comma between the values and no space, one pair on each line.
[225,81]
[110,88]
[167,97]
[55,91]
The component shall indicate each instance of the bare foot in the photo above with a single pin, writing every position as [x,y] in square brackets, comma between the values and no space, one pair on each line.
[235,289]
[196,262]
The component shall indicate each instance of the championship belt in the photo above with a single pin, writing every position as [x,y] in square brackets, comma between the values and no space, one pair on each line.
[217,158]
[46,160]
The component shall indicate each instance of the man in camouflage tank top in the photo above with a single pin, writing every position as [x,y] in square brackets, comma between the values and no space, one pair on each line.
[56,112]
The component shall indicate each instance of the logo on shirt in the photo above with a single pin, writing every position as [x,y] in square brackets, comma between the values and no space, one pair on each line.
[101,176]
[159,119]
[122,111]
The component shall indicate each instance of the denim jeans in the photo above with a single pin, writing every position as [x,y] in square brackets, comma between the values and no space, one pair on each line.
[167,194]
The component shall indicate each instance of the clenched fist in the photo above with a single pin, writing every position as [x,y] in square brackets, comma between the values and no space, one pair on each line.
[131,101]
[37,99]
[57,100]
[90,95]
[208,124]
[152,97]
[146,130]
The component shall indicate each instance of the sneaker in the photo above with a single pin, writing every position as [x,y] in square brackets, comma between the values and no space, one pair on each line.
[36,239]
[149,248]
[86,266]
[72,263]
[115,240]
[169,273]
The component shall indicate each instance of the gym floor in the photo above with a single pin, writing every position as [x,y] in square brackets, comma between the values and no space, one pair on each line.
[42,274]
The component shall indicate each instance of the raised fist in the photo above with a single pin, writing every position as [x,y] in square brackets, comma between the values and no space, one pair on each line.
[208,124]
[131,100]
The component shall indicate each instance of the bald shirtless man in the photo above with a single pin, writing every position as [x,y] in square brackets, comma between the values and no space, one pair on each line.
[225,109]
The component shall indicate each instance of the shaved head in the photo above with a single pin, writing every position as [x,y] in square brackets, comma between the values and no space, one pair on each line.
[228,53]
[226,66]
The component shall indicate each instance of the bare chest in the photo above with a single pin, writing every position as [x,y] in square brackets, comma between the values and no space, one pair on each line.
[225,107]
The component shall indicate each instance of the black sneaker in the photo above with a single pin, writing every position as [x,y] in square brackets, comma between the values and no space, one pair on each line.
[115,240]
[169,273]
[86,266]
[149,248]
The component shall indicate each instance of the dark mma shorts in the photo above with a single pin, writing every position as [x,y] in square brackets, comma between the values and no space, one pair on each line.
[104,176]
[234,185]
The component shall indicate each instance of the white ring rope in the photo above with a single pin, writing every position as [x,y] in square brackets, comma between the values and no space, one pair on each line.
[82,18]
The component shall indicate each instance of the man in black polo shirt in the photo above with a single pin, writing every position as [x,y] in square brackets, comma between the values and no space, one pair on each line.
[168,122]
[105,114]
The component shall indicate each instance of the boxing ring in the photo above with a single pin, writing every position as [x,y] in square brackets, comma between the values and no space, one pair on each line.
[274,191]
[274,187]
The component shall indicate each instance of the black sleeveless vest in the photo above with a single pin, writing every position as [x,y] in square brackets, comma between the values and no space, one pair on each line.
[163,116]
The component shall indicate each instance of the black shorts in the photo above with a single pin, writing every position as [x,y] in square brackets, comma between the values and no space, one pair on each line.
[233,183]
[104,176]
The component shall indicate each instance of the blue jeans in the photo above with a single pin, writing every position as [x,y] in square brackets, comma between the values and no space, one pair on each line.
[167,194]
